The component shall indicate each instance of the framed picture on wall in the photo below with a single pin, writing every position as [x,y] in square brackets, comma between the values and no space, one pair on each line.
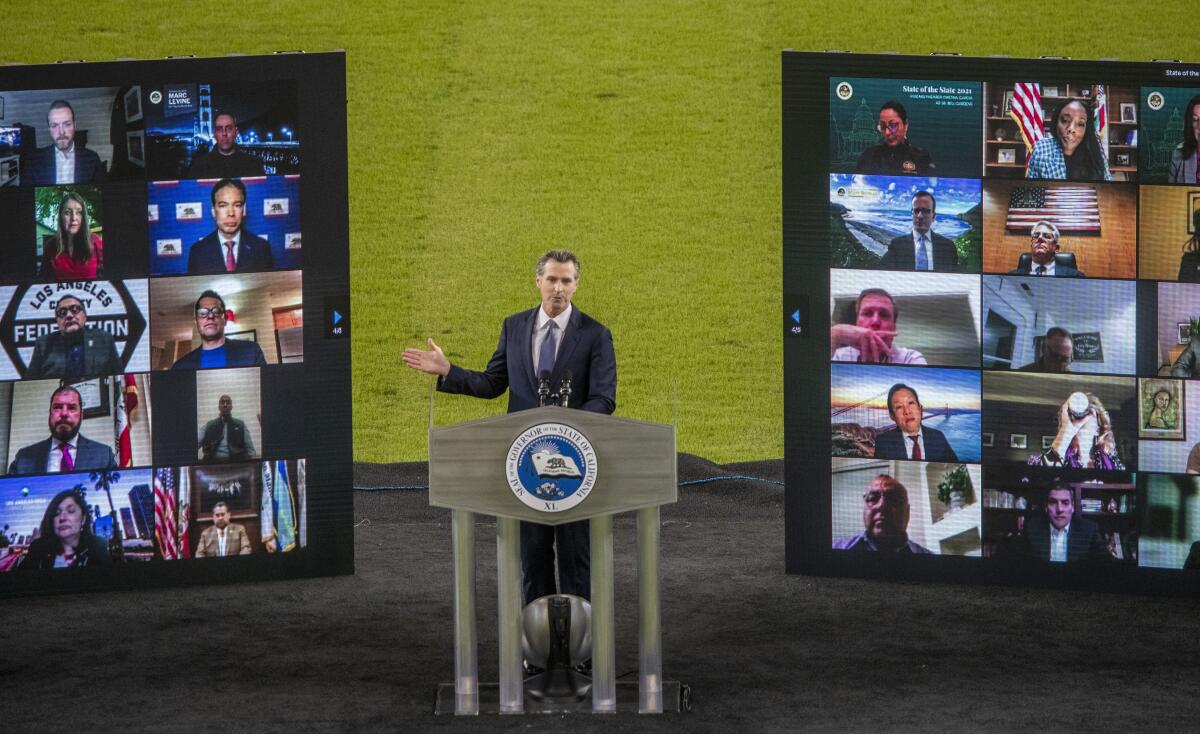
[1161,415]
[1193,207]
[1018,441]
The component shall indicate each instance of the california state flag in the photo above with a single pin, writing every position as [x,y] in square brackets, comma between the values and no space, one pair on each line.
[127,402]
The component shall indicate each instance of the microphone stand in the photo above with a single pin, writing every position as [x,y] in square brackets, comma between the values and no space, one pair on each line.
[543,388]
[564,390]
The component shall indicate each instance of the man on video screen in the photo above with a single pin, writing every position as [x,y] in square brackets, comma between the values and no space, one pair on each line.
[1058,536]
[74,351]
[909,439]
[62,162]
[65,450]
[225,438]
[1043,247]
[230,248]
[885,520]
[226,159]
[923,249]
[869,338]
[1058,351]
[223,538]
[215,350]
[894,155]
[1187,365]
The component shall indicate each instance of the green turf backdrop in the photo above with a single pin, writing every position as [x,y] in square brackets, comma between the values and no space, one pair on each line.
[645,136]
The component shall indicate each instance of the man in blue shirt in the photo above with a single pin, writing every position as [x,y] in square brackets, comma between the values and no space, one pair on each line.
[215,350]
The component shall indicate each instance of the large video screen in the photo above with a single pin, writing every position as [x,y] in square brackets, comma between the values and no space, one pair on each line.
[174,363]
[992,320]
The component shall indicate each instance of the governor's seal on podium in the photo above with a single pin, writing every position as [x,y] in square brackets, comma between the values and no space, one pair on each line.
[551,467]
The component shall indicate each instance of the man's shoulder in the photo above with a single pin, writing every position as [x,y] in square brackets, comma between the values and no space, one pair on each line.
[849,543]
[249,238]
[35,448]
[100,335]
[902,240]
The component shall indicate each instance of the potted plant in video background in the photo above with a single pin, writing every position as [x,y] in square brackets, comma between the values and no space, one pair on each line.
[955,490]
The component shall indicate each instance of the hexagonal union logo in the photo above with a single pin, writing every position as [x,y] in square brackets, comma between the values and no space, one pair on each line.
[551,467]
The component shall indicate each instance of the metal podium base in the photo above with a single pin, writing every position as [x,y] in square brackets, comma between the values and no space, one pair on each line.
[677,698]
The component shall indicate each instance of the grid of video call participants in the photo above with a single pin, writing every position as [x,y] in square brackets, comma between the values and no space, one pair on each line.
[152,324]
[1015,319]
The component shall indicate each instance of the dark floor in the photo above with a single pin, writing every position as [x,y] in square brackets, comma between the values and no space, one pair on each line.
[762,651]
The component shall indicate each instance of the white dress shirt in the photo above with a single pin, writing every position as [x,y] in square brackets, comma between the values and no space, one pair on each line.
[908,445]
[927,240]
[1058,544]
[54,460]
[64,165]
[236,239]
[1033,269]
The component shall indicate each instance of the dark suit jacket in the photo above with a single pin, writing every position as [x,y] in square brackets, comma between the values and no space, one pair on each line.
[207,256]
[1060,271]
[50,355]
[89,455]
[1083,540]
[901,254]
[587,351]
[238,353]
[889,444]
[38,168]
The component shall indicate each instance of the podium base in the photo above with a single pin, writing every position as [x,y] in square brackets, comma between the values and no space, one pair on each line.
[677,698]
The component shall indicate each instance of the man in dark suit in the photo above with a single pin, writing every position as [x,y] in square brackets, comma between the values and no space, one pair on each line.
[66,450]
[922,249]
[1043,246]
[74,351]
[215,349]
[229,248]
[909,439]
[64,162]
[556,337]
[226,438]
[1060,536]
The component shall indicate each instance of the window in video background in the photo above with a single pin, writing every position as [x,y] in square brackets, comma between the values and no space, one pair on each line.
[860,415]
[1168,150]
[1096,222]
[108,424]
[937,133]
[118,308]
[263,308]
[119,525]
[185,138]
[1170,521]
[1060,421]
[263,507]
[1024,320]
[1095,123]
[1169,233]
[935,319]
[106,143]
[872,220]
[182,219]
[1022,506]
[936,509]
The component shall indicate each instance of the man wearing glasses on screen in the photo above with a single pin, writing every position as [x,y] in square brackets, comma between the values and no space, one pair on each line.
[894,155]
[1043,251]
[885,520]
[869,338]
[215,350]
[1058,351]
[73,351]
[923,249]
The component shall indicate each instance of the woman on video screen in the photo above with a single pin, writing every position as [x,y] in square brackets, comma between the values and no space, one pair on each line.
[65,539]
[1085,439]
[1184,158]
[1189,264]
[75,252]
[1071,150]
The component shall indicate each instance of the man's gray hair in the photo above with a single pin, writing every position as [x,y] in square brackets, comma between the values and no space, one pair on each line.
[1048,225]
[562,256]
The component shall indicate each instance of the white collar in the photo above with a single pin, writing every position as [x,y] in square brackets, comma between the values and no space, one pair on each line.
[560,320]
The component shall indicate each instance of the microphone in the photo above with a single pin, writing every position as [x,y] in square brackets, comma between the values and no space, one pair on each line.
[564,390]
[543,388]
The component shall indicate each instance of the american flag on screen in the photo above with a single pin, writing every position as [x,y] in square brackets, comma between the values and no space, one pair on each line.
[165,510]
[1070,208]
[1027,112]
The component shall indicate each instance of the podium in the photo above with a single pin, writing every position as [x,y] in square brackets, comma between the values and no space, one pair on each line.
[553,466]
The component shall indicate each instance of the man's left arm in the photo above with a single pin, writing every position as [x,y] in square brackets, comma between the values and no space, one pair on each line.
[602,375]
[245,542]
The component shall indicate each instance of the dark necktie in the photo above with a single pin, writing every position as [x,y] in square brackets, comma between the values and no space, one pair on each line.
[230,263]
[67,463]
[1041,270]
[916,448]
[546,353]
